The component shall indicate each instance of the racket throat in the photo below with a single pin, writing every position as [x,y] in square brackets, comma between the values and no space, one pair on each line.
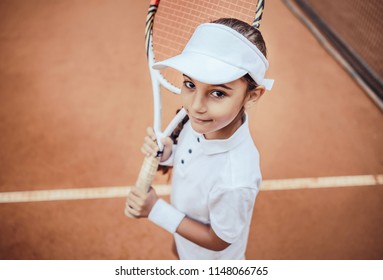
[159,154]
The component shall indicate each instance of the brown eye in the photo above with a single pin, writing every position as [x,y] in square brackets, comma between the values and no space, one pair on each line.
[189,85]
[218,94]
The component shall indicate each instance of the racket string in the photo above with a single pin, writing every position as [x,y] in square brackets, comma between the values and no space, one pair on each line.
[176,20]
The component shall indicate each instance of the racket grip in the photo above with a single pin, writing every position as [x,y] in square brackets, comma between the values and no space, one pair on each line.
[145,177]
[147,173]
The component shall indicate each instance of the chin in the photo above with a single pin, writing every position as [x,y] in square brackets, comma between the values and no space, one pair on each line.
[197,128]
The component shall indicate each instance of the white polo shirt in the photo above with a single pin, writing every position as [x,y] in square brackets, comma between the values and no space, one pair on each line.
[215,182]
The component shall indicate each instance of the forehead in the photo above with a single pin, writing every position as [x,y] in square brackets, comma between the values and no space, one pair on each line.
[238,83]
[233,85]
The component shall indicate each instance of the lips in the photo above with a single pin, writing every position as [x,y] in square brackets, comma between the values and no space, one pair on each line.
[198,120]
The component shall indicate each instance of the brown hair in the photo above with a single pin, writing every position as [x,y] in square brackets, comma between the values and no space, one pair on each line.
[251,33]
[254,36]
[174,136]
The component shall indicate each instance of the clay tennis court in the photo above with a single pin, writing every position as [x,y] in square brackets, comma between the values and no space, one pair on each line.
[75,100]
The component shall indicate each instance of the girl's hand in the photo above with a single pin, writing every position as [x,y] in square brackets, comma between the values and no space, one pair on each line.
[150,147]
[140,202]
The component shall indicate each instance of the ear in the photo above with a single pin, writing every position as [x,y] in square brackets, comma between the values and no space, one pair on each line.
[253,96]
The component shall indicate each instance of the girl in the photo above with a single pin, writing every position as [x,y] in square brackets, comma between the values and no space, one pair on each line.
[216,173]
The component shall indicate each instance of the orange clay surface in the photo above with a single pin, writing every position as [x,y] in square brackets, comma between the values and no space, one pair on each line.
[75,100]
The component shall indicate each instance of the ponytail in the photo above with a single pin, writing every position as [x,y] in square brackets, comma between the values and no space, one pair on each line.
[174,136]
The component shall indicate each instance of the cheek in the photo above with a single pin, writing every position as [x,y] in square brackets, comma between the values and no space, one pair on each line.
[185,99]
[224,113]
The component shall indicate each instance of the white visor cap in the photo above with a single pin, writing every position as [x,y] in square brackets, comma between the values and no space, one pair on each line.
[217,54]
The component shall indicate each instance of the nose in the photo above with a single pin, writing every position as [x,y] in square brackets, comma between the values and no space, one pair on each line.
[198,103]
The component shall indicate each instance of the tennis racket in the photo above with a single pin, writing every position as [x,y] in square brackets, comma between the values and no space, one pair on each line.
[175,22]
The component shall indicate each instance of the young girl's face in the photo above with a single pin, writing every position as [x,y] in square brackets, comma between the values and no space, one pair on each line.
[213,110]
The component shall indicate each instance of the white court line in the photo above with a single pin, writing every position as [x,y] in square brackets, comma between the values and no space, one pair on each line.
[162,190]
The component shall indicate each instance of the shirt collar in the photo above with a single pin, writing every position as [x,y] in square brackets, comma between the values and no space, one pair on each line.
[211,147]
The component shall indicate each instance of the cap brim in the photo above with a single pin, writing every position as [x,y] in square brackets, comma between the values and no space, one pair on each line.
[202,68]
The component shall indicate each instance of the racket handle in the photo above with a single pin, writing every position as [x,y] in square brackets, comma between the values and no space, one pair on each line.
[145,177]
[147,173]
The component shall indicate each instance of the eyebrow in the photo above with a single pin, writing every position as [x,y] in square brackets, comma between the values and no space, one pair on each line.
[224,86]
[217,85]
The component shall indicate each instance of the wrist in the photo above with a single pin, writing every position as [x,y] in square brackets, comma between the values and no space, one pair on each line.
[166,216]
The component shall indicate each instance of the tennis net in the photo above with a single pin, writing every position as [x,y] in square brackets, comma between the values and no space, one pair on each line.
[354,30]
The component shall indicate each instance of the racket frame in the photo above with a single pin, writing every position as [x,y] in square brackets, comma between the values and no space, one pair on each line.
[150,164]
[158,80]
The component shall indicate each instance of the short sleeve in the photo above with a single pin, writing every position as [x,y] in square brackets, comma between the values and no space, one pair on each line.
[231,211]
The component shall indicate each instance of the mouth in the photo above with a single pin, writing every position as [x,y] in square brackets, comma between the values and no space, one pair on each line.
[200,121]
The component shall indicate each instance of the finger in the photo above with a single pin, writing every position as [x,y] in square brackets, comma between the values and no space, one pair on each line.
[133,204]
[150,142]
[135,196]
[138,193]
[147,150]
[129,208]
[133,212]
[150,132]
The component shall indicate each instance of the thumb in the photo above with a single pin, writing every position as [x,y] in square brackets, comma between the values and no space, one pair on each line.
[167,141]
[168,144]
